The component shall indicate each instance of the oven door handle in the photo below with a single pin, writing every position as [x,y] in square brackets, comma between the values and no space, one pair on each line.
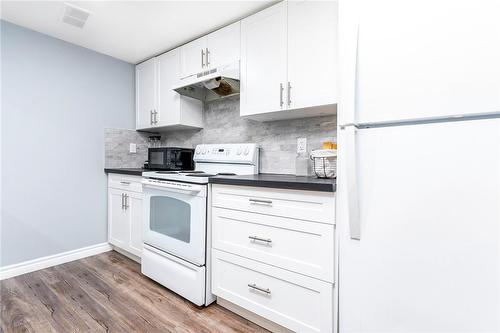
[175,188]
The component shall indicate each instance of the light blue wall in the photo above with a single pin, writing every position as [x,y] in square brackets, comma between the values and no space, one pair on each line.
[57,98]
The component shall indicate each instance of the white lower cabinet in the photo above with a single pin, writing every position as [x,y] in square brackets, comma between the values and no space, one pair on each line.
[118,224]
[125,213]
[274,262]
[294,301]
[296,245]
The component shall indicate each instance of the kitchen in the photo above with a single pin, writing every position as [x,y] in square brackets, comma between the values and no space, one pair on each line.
[250,166]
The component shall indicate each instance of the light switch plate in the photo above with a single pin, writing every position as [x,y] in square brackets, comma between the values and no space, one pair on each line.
[133,148]
[301,145]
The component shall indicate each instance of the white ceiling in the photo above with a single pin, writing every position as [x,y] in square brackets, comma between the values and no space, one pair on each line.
[130,30]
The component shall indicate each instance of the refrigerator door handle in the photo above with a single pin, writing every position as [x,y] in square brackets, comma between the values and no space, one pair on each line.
[352,183]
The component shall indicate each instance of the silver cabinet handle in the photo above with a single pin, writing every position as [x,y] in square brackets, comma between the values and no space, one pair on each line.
[126,201]
[259,201]
[123,201]
[208,52]
[289,94]
[202,56]
[151,117]
[264,290]
[255,238]
[281,95]
[125,183]
[155,113]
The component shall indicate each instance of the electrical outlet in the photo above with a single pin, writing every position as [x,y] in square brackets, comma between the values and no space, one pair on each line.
[133,148]
[301,145]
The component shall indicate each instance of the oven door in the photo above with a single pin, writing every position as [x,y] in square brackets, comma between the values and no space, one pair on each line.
[175,219]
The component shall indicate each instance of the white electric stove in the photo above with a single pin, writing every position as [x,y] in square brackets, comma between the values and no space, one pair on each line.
[212,160]
[176,240]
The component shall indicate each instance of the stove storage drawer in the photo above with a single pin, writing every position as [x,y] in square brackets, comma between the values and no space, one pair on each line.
[299,246]
[297,302]
[125,182]
[303,205]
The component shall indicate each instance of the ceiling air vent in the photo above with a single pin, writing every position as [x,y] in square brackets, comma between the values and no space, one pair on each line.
[74,15]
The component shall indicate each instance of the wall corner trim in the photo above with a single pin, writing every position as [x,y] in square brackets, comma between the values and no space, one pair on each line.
[53,260]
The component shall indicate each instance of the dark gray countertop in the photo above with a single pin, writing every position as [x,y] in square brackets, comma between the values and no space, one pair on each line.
[291,182]
[125,171]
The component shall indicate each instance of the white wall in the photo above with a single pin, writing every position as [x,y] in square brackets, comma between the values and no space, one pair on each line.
[57,98]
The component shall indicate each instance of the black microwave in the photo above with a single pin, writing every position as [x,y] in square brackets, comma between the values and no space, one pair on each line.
[170,158]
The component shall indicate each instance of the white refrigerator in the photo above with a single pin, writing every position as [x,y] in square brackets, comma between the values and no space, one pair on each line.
[419,166]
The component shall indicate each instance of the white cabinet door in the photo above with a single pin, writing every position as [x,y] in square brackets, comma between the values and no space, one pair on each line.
[145,92]
[410,67]
[224,46]
[312,56]
[193,57]
[264,61]
[134,211]
[118,222]
[168,99]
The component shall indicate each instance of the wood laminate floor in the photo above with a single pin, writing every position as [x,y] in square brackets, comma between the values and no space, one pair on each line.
[105,293]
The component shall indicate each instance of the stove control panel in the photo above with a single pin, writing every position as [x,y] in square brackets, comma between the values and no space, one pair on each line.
[245,153]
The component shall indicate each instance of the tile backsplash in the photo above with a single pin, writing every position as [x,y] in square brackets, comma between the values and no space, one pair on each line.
[116,148]
[223,124]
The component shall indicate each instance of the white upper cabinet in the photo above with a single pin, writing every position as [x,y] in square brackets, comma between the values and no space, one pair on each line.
[263,61]
[312,56]
[224,46]
[218,48]
[289,61]
[174,109]
[193,57]
[168,109]
[145,93]
[168,99]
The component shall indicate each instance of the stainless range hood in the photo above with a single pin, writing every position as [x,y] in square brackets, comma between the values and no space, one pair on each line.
[212,84]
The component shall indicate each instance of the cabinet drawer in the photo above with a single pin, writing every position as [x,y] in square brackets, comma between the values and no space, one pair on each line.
[292,300]
[299,246]
[125,182]
[302,205]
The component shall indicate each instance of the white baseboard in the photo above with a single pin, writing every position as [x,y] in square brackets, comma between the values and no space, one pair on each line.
[53,260]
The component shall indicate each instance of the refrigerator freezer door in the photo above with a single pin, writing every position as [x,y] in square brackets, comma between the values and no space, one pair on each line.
[424,59]
[428,259]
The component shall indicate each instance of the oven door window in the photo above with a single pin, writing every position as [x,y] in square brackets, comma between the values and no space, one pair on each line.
[170,217]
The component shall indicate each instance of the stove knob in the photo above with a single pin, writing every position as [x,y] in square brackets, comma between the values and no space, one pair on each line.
[203,151]
[238,152]
[197,151]
[246,151]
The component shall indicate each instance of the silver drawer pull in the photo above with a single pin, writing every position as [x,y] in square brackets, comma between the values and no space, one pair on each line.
[255,238]
[125,183]
[262,202]
[254,286]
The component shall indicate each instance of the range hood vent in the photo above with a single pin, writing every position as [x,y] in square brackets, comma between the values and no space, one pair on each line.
[212,84]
